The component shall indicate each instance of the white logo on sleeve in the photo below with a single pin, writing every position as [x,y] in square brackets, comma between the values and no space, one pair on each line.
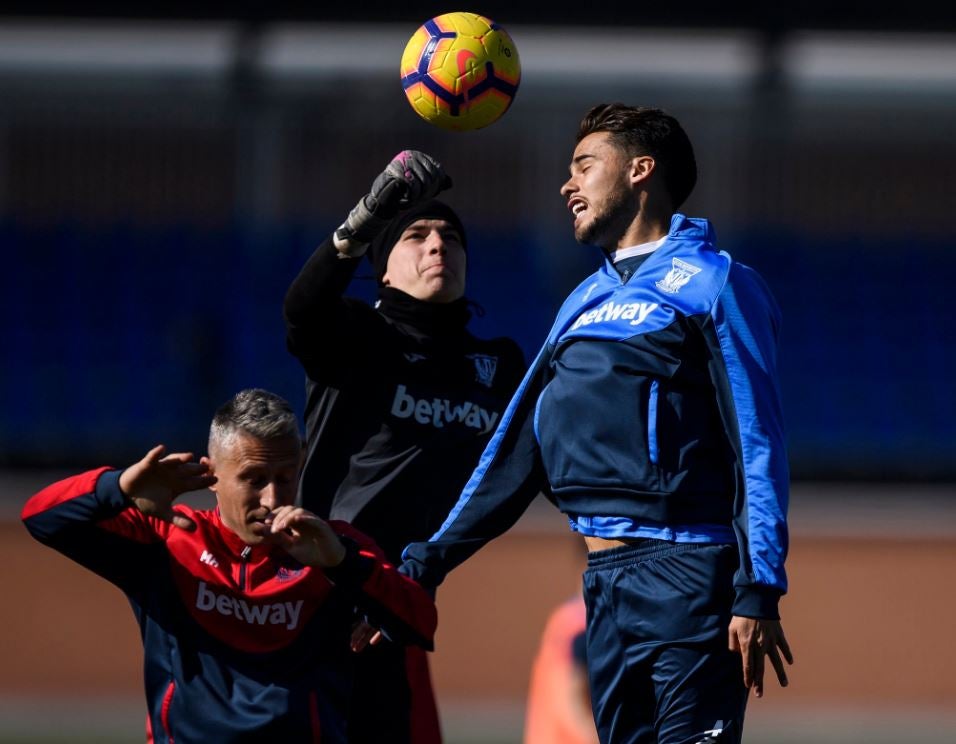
[278,613]
[209,559]
[680,273]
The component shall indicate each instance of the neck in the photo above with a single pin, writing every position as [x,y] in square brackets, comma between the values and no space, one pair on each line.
[432,318]
[645,228]
[651,222]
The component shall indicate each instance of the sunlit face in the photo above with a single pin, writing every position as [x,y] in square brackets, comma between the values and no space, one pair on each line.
[255,477]
[428,262]
[599,192]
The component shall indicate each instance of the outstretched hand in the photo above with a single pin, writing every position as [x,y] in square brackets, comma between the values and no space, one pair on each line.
[755,640]
[153,483]
[306,537]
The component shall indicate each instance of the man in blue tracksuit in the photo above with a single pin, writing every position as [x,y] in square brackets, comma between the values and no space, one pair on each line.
[651,417]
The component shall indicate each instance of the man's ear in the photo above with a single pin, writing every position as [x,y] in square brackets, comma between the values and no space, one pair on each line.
[641,169]
[207,461]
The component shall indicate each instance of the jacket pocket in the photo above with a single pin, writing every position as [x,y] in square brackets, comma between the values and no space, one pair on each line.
[652,444]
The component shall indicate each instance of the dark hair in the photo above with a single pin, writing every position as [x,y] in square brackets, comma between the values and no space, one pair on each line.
[639,130]
[255,412]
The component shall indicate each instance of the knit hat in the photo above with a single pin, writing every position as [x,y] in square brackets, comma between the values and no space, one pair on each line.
[381,247]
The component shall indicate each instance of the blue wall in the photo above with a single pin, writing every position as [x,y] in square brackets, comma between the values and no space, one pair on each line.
[117,338]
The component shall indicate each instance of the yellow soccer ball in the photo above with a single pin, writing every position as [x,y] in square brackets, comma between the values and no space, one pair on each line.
[460,71]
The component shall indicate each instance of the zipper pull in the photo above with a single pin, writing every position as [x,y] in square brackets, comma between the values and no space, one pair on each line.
[244,556]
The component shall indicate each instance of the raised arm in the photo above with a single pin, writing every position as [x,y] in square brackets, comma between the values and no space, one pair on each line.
[104,517]
[316,314]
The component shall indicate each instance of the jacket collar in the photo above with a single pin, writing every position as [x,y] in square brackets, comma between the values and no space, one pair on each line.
[682,228]
[235,544]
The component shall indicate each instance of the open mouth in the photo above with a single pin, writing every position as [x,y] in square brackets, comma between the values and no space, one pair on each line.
[577,207]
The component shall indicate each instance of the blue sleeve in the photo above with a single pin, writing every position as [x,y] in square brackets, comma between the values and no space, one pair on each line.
[744,339]
[508,477]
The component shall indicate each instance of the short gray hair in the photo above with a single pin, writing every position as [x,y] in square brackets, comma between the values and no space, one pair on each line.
[255,412]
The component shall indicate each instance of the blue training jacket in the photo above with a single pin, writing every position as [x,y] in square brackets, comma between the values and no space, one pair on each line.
[654,400]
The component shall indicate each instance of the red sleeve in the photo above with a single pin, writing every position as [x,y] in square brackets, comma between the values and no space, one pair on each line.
[91,497]
[88,519]
[395,604]
[62,492]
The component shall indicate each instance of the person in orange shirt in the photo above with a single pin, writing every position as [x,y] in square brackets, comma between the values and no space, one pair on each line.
[559,704]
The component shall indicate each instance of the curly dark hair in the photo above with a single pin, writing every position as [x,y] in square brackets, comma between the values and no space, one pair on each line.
[640,130]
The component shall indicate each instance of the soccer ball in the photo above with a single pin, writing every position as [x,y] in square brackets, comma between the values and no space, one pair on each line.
[460,71]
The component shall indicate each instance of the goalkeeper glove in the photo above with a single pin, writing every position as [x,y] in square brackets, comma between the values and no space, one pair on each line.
[411,177]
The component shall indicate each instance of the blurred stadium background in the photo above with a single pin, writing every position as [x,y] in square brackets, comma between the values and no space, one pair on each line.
[165,170]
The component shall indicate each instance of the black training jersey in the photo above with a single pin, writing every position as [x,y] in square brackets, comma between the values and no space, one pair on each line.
[401,401]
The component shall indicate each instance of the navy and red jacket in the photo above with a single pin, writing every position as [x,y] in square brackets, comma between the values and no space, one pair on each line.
[242,643]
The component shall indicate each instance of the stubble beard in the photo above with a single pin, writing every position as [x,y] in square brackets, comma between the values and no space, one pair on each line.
[611,219]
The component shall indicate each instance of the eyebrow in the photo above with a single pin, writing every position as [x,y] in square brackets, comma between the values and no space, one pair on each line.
[445,231]
[578,159]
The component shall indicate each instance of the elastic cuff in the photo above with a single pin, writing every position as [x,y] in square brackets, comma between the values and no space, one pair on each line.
[108,490]
[757,602]
[346,244]
[417,572]
[354,568]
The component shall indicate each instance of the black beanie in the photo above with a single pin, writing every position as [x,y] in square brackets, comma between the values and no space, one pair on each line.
[381,247]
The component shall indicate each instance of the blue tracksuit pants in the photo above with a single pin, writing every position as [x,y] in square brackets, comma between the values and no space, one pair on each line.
[659,666]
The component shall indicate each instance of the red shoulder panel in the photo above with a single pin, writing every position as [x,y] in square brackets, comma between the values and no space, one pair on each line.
[61,491]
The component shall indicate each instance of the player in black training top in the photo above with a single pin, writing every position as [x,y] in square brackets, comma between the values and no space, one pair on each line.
[401,400]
